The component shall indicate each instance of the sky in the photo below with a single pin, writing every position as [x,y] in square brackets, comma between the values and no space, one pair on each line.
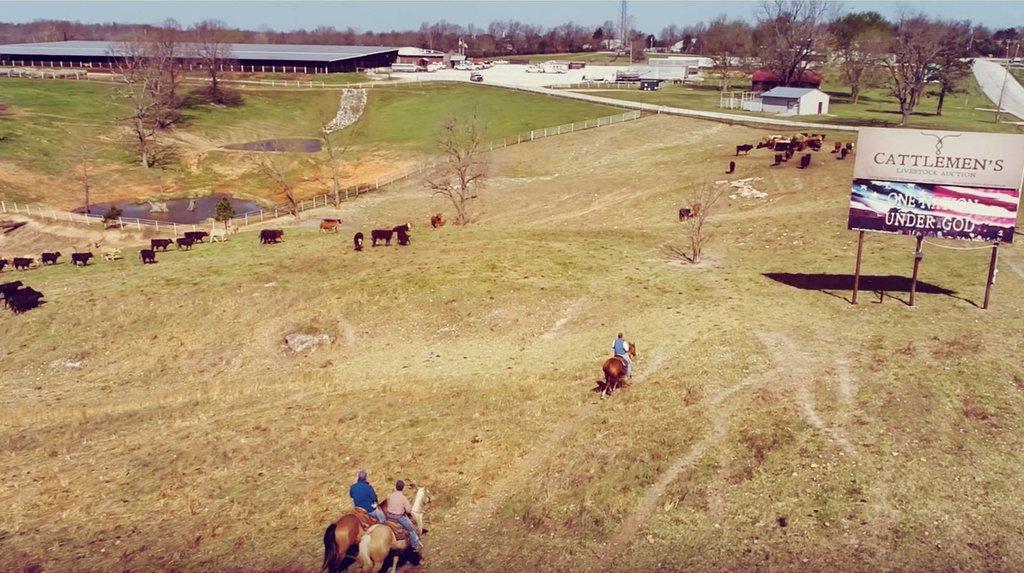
[649,16]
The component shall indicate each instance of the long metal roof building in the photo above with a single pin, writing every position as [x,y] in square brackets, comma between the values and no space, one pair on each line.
[306,58]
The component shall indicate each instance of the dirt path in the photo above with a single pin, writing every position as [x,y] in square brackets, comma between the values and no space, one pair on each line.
[472,516]
[799,369]
[567,316]
[630,527]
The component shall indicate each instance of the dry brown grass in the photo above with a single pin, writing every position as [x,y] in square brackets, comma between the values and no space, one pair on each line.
[189,439]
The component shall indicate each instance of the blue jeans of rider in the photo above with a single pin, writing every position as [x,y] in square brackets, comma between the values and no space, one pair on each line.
[378,514]
[629,363]
[414,539]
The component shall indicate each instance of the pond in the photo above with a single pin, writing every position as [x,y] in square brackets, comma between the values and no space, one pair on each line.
[188,211]
[295,145]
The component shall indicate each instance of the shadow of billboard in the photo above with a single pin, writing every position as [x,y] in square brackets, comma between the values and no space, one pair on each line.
[881,285]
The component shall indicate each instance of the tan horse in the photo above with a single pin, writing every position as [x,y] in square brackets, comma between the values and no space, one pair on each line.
[615,372]
[379,540]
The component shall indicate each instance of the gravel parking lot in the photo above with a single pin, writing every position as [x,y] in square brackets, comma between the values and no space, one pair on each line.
[516,75]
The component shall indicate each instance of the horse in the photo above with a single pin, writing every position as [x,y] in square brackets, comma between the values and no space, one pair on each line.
[340,537]
[379,540]
[615,372]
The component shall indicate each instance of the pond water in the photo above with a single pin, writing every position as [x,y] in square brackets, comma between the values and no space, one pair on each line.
[296,145]
[177,209]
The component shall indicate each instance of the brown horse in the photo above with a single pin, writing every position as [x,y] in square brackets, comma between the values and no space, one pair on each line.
[340,537]
[615,372]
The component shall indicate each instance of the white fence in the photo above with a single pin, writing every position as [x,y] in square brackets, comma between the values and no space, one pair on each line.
[324,200]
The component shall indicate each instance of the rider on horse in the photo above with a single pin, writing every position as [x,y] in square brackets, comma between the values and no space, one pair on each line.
[365,498]
[399,509]
[620,347]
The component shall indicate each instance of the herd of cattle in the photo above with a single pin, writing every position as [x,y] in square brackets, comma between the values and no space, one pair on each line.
[19,298]
[786,147]
[399,232]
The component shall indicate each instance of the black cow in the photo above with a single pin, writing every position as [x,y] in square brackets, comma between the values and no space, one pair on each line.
[805,161]
[184,243]
[403,238]
[196,236]
[23,300]
[843,153]
[745,148]
[22,263]
[160,244]
[3,263]
[271,236]
[8,288]
[50,258]
[148,256]
[80,259]
[402,228]
[848,146]
[814,144]
[732,167]
[381,235]
[778,160]
[357,241]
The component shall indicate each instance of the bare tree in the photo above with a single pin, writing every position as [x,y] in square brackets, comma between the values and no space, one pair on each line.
[275,166]
[791,33]
[860,40]
[696,229]
[954,65]
[462,170]
[726,41]
[213,53]
[166,52]
[335,155]
[915,50]
[140,86]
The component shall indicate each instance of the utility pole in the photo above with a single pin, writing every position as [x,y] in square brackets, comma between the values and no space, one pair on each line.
[1002,90]
[623,31]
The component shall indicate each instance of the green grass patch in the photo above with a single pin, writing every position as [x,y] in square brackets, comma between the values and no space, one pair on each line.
[411,116]
[876,108]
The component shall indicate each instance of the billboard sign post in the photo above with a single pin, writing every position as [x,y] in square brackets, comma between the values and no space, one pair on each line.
[951,185]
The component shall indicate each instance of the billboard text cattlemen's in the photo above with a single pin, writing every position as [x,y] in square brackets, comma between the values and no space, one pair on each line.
[954,185]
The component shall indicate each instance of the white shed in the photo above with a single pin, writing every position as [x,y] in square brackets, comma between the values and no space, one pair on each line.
[795,101]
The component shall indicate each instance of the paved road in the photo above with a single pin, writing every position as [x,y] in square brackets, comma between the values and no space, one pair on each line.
[515,77]
[990,76]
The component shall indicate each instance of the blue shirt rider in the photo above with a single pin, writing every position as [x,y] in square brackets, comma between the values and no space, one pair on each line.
[365,498]
[621,349]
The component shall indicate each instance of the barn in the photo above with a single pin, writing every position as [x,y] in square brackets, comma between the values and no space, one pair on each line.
[419,56]
[288,58]
[795,101]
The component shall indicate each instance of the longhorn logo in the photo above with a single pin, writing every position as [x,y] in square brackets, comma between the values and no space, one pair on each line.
[938,141]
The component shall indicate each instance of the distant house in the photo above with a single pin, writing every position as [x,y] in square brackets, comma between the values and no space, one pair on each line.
[419,56]
[795,101]
[764,80]
[453,60]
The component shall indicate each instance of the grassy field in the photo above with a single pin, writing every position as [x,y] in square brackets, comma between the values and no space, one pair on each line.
[876,107]
[52,125]
[151,418]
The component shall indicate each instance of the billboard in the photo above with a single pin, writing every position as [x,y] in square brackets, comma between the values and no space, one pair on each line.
[954,185]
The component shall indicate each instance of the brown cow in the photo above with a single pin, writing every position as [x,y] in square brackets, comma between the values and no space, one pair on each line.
[437,220]
[330,225]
